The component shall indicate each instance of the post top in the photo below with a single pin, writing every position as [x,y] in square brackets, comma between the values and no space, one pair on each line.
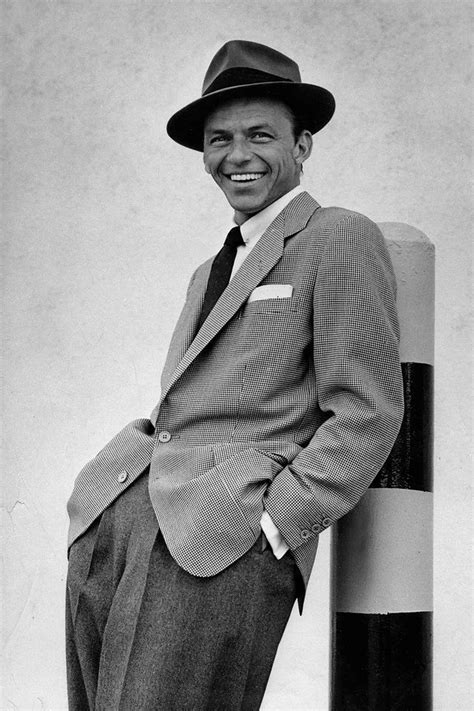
[402,232]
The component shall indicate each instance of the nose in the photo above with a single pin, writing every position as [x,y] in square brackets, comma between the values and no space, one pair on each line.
[239,152]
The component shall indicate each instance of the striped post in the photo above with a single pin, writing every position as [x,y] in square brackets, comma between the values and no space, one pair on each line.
[382,550]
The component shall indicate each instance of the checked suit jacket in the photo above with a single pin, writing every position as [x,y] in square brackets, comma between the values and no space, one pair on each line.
[286,404]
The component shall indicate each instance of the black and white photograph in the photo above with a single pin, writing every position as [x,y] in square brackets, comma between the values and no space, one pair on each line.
[237,355]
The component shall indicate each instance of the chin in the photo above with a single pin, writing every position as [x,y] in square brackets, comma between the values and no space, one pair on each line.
[249,207]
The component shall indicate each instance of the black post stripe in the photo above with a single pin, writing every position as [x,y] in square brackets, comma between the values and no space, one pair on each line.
[382,662]
[410,464]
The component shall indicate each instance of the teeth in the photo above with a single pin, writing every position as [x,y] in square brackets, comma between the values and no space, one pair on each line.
[242,177]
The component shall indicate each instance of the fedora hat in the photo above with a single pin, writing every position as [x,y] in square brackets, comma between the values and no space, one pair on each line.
[247,69]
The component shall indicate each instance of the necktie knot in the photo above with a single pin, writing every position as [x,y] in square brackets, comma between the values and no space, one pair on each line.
[234,238]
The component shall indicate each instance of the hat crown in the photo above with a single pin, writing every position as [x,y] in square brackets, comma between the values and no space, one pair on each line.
[241,62]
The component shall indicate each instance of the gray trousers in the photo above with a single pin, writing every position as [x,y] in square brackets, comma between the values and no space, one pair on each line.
[142,634]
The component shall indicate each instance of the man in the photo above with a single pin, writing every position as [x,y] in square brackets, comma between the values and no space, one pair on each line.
[192,533]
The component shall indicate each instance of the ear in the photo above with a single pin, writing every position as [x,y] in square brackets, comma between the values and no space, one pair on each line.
[303,147]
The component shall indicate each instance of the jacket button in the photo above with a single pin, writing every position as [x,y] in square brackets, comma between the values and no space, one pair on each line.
[305,534]
[123,476]
[326,521]
[164,436]
[316,528]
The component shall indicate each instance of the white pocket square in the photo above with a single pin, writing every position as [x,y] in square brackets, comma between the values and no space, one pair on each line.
[271,291]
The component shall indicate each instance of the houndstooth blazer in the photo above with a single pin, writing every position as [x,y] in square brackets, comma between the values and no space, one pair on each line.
[286,404]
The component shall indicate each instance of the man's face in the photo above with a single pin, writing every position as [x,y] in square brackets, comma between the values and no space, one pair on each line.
[252,154]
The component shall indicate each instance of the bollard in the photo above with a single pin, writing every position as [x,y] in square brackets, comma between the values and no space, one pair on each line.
[381,554]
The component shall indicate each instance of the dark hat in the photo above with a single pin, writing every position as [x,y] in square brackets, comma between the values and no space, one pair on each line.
[243,69]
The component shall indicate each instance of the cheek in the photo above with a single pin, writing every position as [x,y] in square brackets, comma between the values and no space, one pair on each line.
[211,166]
[214,173]
[211,169]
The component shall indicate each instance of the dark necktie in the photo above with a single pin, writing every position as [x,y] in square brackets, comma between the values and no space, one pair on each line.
[220,272]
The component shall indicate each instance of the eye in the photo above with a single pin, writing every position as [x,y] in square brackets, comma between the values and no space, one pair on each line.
[261,136]
[218,139]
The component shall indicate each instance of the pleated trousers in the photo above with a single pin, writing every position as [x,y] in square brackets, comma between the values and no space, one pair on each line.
[142,634]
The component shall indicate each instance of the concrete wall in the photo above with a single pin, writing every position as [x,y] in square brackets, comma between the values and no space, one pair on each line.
[105,219]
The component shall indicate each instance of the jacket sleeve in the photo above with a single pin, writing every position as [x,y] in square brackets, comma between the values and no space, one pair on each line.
[359,385]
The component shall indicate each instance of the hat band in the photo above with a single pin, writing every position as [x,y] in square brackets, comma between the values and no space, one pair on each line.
[242,75]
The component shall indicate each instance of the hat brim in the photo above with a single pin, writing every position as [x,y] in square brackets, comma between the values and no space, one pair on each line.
[312,104]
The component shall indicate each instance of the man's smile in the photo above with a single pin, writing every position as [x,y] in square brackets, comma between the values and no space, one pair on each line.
[244,177]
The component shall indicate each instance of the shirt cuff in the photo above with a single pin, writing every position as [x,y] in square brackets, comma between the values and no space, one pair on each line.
[273,536]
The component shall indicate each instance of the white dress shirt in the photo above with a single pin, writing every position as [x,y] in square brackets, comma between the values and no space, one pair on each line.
[251,230]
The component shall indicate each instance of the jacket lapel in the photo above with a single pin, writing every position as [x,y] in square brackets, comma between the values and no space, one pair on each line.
[186,325]
[263,257]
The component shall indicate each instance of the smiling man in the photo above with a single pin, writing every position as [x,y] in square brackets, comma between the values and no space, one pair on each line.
[193,532]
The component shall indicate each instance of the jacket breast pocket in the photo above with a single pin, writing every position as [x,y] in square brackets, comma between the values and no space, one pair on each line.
[268,324]
[270,307]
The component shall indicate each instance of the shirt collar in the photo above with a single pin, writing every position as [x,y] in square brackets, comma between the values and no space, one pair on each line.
[253,228]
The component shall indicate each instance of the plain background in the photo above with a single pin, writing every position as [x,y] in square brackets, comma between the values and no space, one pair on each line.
[105,219]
